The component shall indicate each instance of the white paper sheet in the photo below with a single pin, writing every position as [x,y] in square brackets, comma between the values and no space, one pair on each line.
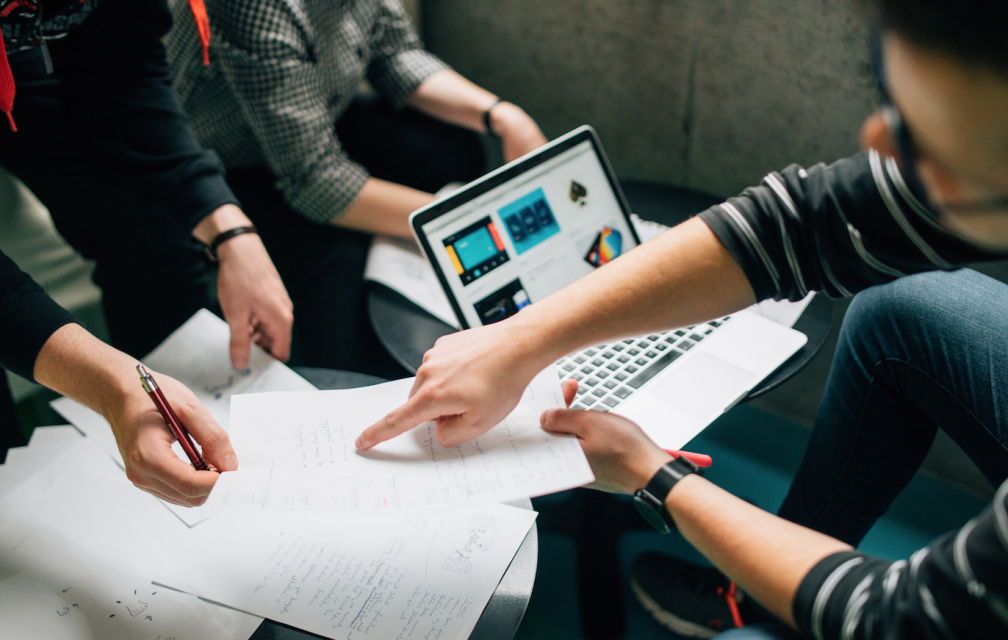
[198,355]
[56,434]
[69,598]
[346,576]
[298,454]
[399,265]
[78,524]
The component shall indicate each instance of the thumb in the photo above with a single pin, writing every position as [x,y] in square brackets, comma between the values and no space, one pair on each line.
[210,436]
[570,391]
[563,421]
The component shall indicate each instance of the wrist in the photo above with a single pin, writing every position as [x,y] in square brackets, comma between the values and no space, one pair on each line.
[505,118]
[646,467]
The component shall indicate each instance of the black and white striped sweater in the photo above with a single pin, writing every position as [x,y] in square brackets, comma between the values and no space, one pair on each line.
[840,229]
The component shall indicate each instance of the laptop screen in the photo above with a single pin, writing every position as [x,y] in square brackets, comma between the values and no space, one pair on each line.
[531,235]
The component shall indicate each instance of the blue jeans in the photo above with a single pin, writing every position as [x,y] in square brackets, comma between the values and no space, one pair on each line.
[923,353]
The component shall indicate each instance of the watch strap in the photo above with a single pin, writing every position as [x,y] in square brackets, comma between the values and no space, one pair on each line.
[486,118]
[661,484]
[224,236]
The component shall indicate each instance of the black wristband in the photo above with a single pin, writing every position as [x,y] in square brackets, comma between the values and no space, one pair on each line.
[224,236]
[486,119]
[650,501]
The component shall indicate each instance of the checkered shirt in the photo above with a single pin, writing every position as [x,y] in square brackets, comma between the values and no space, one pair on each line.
[281,73]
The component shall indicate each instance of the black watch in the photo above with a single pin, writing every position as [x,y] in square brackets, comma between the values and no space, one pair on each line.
[650,500]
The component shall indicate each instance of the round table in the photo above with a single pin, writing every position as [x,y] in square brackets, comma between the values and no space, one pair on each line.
[503,614]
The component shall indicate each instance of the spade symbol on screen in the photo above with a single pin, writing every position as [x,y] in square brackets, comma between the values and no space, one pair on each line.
[578,193]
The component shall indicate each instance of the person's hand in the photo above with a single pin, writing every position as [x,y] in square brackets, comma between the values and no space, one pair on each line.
[622,458]
[255,303]
[468,382]
[254,300]
[145,443]
[518,132]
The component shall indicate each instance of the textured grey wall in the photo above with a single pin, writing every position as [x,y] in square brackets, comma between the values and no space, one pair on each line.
[704,93]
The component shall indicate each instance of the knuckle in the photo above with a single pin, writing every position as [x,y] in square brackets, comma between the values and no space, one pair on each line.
[391,420]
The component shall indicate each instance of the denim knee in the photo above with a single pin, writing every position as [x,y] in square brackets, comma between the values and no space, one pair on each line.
[907,311]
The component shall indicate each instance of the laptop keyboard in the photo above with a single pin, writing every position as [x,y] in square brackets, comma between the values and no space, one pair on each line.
[608,374]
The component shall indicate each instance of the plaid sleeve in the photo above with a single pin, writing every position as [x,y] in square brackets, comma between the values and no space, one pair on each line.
[399,63]
[264,54]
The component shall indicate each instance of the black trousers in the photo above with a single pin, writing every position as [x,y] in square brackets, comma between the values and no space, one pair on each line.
[322,266]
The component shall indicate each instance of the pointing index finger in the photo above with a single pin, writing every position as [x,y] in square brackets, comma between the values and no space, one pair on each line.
[395,422]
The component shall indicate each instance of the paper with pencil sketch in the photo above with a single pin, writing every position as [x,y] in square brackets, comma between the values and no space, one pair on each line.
[354,576]
[298,454]
[77,540]
[197,354]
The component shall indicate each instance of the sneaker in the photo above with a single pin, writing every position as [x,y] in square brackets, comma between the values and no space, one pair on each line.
[685,598]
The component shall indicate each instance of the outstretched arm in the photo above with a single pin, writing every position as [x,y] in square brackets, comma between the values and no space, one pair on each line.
[956,587]
[768,557]
[471,380]
[78,365]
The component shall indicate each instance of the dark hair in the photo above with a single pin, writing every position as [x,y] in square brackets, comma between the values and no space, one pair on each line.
[975,31]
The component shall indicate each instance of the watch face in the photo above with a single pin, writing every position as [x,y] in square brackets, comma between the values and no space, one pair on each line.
[650,514]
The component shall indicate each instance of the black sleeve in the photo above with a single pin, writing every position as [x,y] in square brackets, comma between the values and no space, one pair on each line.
[955,588]
[838,229]
[27,318]
[114,72]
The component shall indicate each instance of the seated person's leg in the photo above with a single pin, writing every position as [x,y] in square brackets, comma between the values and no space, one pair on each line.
[322,267]
[923,353]
[408,147]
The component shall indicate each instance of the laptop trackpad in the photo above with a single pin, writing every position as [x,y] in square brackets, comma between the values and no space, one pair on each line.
[702,385]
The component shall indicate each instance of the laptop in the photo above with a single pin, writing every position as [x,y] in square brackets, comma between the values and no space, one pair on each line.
[541,222]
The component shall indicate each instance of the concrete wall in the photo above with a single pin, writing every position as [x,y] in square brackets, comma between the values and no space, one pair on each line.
[710,94]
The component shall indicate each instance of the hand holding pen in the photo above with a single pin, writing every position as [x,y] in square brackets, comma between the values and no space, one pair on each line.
[144,431]
[176,426]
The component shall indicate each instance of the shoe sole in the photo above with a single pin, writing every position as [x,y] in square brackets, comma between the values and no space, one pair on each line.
[671,622]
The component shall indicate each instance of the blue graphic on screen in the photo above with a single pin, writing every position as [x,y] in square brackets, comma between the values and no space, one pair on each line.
[529,221]
[475,248]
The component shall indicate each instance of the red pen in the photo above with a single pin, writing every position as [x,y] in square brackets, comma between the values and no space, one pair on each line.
[698,459]
[195,457]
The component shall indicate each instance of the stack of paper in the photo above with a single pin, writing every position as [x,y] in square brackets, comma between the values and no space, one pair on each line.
[402,541]
[78,550]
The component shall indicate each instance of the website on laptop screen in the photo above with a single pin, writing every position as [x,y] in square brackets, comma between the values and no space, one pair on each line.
[530,236]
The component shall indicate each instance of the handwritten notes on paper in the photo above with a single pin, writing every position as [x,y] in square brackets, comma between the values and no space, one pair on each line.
[383,575]
[196,354]
[298,454]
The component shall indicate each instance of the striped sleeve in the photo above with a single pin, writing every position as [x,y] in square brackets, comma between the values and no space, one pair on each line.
[955,588]
[838,229]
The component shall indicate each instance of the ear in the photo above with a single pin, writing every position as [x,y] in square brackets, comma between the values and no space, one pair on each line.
[875,135]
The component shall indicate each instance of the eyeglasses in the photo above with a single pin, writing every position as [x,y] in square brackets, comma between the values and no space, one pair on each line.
[908,150]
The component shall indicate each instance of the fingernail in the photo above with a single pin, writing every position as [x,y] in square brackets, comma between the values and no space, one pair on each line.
[359,443]
[230,462]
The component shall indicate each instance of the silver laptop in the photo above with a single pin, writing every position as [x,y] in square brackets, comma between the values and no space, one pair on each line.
[541,222]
